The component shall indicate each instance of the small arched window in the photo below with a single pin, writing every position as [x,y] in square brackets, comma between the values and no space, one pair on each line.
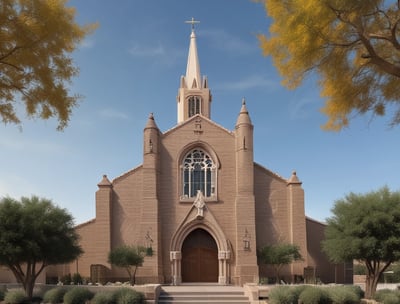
[194,105]
[198,173]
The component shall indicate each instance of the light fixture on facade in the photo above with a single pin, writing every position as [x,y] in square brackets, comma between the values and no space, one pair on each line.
[246,241]
[149,244]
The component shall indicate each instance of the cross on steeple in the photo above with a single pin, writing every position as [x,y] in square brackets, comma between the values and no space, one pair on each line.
[192,22]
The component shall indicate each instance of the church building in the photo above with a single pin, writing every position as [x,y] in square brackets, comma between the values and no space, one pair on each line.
[200,204]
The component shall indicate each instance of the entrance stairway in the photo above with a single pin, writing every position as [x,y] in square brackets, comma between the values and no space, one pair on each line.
[198,294]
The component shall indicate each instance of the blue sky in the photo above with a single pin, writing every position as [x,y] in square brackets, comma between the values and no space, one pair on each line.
[131,66]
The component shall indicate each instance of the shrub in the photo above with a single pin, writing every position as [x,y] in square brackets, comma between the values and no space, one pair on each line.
[66,279]
[314,295]
[281,295]
[54,295]
[103,297]
[16,296]
[76,279]
[128,296]
[77,295]
[391,298]
[343,295]
[1,295]
[387,296]
[297,290]
[357,290]
[380,294]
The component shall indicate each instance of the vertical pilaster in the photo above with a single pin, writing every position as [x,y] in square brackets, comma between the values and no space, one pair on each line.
[297,221]
[150,218]
[176,258]
[103,222]
[246,269]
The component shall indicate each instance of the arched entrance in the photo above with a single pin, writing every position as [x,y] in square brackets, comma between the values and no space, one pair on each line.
[199,257]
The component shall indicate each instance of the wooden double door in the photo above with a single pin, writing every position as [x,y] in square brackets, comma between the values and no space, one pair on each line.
[199,257]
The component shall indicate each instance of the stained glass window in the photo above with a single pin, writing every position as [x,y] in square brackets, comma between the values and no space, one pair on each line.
[198,173]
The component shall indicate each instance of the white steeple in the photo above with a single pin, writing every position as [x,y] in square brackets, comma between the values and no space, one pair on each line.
[194,96]
[193,75]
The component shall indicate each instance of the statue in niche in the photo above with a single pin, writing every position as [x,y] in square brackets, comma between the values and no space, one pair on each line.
[199,203]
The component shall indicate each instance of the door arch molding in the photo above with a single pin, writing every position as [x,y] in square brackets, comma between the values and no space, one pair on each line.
[209,224]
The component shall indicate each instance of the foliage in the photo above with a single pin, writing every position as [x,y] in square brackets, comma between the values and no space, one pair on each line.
[307,294]
[54,295]
[365,228]
[129,258]
[392,274]
[127,295]
[2,292]
[296,291]
[356,289]
[36,68]
[34,233]
[103,297]
[279,255]
[387,296]
[66,279]
[391,298]
[77,279]
[15,296]
[359,269]
[314,295]
[353,46]
[343,295]
[281,295]
[77,295]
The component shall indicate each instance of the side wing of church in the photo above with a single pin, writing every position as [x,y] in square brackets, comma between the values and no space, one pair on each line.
[201,203]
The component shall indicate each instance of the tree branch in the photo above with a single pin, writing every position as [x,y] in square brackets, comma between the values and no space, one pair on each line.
[393,32]
[12,65]
[10,52]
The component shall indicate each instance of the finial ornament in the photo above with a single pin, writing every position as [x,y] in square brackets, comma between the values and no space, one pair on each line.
[192,22]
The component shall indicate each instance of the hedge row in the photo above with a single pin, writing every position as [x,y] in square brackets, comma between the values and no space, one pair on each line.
[304,294]
[79,295]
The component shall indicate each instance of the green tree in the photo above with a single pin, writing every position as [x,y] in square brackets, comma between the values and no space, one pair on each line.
[353,46]
[129,258]
[366,228]
[34,233]
[279,255]
[36,39]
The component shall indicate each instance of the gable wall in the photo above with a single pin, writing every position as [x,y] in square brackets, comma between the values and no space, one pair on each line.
[173,212]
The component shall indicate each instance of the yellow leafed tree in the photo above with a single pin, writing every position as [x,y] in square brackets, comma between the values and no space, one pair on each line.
[353,46]
[36,40]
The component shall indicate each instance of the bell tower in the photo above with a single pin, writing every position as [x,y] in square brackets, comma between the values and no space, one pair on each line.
[194,96]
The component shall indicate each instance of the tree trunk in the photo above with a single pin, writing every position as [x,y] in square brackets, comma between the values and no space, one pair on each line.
[27,278]
[277,274]
[370,285]
[29,288]
[129,271]
[134,276]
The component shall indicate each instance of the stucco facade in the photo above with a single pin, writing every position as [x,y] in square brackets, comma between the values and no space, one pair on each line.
[199,201]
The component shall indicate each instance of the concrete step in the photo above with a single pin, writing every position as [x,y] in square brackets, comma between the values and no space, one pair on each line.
[202,294]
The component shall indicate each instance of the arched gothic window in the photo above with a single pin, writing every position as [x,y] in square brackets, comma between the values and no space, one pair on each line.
[194,105]
[198,173]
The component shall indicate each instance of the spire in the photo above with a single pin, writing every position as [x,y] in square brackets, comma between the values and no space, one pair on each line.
[193,75]
[243,117]
[151,124]
[194,96]
[105,182]
[294,179]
